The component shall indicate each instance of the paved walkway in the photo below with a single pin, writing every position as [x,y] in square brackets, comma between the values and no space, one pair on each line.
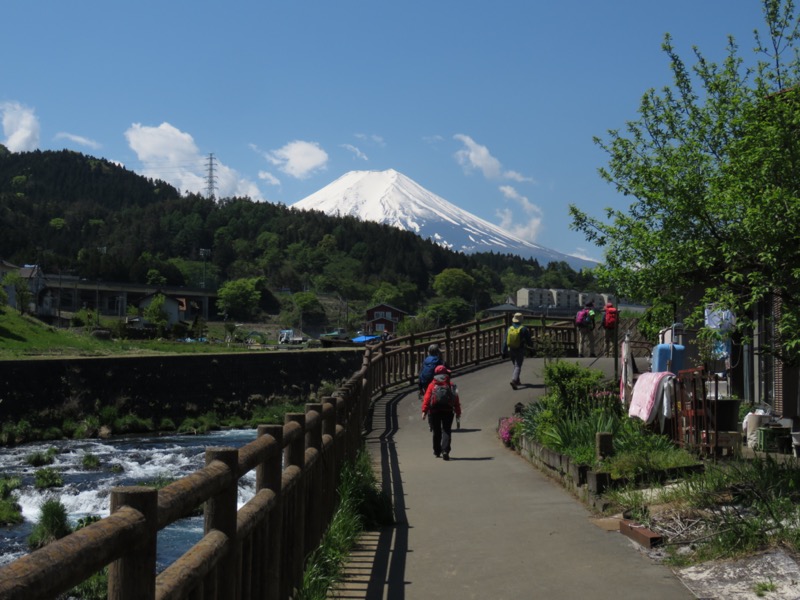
[487,524]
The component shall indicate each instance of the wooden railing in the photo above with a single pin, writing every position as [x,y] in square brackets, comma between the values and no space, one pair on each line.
[259,551]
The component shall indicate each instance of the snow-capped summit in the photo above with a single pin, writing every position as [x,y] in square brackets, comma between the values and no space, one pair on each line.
[392,198]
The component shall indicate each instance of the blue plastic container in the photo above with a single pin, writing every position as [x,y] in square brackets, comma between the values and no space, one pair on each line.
[664,353]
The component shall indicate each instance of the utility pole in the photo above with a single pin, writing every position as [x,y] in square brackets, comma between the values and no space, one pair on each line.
[211,179]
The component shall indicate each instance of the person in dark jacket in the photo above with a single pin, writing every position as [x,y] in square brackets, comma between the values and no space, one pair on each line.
[427,371]
[440,413]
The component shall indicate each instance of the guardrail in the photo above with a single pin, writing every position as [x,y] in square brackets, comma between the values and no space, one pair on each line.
[259,551]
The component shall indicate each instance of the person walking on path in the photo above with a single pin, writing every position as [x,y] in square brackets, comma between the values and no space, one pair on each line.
[440,405]
[585,322]
[515,345]
[427,371]
[609,323]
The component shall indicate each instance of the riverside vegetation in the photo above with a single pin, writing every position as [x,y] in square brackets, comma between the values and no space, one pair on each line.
[733,507]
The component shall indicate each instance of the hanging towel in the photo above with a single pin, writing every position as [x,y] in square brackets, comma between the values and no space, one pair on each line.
[646,398]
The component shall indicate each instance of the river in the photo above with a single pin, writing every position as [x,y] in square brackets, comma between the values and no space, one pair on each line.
[123,461]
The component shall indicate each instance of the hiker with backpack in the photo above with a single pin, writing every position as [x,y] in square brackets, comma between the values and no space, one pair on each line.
[585,322]
[427,371]
[440,406]
[515,345]
[609,324]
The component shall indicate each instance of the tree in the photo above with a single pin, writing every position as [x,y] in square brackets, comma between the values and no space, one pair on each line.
[155,313]
[22,293]
[239,298]
[454,283]
[714,174]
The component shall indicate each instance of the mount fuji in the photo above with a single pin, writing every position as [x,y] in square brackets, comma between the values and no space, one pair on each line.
[391,198]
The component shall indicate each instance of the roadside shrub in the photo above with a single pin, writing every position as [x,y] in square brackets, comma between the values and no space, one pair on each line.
[52,525]
[510,430]
[571,384]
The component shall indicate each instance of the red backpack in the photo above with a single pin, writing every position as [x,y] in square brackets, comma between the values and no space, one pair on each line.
[610,318]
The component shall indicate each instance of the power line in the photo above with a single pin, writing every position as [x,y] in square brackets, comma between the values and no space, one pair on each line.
[211,179]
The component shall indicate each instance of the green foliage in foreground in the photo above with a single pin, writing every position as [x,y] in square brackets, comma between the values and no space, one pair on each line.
[361,506]
[576,408]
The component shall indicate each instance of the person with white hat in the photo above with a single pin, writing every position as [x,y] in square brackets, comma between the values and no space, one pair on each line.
[515,344]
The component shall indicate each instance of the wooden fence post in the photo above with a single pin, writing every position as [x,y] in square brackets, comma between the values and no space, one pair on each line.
[134,575]
[316,477]
[269,476]
[294,456]
[220,514]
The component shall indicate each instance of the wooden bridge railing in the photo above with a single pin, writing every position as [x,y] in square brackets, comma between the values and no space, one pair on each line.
[260,550]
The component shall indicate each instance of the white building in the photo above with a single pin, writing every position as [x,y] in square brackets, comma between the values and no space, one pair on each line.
[538,298]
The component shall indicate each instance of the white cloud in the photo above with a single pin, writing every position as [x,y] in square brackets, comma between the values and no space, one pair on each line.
[476,156]
[299,159]
[519,177]
[358,153]
[78,139]
[171,155]
[530,225]
[20,127]
[372,138]
[269,178]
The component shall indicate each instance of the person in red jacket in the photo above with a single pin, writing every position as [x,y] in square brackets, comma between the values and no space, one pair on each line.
[440,405]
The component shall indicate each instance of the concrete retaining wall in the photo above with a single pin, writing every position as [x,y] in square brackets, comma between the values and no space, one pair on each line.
[178,386]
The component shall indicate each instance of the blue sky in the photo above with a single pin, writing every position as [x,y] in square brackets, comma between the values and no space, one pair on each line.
[491,105]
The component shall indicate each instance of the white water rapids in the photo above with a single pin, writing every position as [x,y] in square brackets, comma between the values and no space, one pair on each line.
[124,461]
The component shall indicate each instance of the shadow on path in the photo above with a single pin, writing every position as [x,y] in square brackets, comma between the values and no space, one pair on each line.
[389,563]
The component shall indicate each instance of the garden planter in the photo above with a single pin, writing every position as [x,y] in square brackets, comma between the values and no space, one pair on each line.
[598,482]
[578,473]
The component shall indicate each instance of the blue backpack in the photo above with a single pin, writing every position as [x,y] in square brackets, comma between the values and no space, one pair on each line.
[427,371]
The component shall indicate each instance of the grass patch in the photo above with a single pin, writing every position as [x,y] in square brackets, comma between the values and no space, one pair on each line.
[763,587]
[10,510]
[361,506]
[47,478]
[52,525]
[90,462]
[41,459]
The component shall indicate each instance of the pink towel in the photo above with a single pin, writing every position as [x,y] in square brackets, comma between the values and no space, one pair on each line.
[645,395]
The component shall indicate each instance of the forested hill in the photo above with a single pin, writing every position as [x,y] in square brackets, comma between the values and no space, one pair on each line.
[77,214]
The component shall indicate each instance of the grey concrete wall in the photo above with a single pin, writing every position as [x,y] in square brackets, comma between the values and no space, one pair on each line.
[179,386]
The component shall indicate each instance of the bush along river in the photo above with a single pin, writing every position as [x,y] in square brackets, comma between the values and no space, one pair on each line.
[125,461]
